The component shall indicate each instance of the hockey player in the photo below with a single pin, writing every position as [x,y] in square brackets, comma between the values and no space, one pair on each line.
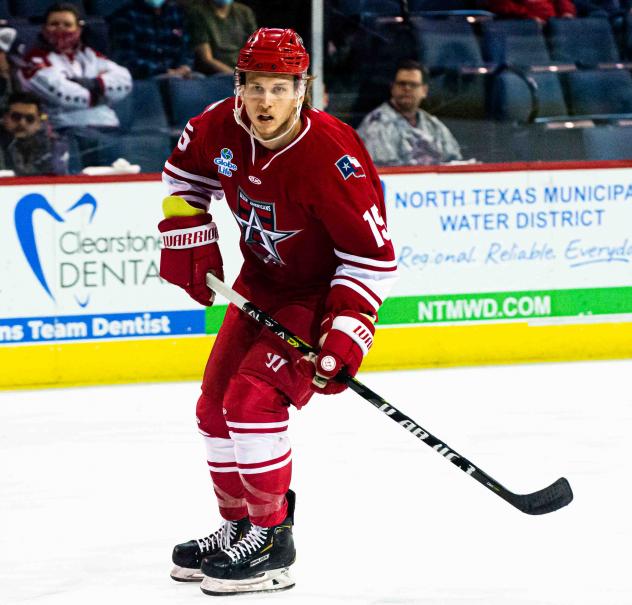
[317,256]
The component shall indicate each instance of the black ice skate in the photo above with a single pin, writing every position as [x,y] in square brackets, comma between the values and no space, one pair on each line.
[188,556]
[259,562]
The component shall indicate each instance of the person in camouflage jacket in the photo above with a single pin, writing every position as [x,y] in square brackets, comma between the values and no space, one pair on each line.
[399,133]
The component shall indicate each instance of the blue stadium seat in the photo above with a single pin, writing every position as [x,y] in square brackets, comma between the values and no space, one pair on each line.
[187,98]
[37,8]
[606,92]
[143,111]
[369,7]
[384,43]
[381,7]
[540,143]
[350,8]
[148,150]
[104,8]
[450,50]
[608,143]
[5,13]
[449,43]
[27,32]
[522,98]
[514,42]
[415,6]
[96,34]
[588,42]
[627,36]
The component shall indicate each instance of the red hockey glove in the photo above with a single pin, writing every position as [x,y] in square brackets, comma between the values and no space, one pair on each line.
[189,252]
[346,339]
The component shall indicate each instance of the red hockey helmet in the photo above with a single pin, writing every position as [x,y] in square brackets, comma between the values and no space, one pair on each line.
[274,50]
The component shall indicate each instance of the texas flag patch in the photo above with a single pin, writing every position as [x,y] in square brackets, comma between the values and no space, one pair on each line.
[349,166]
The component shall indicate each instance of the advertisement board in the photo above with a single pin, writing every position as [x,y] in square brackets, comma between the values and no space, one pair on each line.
[82,262]
[509,248]
[505,246]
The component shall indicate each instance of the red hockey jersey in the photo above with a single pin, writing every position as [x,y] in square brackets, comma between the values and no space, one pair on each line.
[311,214]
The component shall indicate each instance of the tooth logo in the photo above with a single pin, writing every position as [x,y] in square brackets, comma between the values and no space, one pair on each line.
[23,217]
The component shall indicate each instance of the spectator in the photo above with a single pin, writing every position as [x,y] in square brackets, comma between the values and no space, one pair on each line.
[399,133]
[540,10]
[218,29]
[27,145]
[76,84]
[150,39]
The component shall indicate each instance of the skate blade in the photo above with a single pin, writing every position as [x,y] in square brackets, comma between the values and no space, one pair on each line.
[269,581]
[186,574]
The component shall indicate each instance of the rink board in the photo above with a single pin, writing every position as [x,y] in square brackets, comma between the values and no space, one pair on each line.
[402,348]
[498,264]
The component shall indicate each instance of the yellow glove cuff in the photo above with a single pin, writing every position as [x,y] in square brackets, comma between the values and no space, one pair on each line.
[174,205]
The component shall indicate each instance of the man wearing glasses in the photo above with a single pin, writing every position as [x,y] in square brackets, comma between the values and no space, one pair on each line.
[26,145]
[399,133]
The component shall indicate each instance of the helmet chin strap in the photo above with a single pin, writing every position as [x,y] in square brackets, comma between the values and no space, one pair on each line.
[251,130]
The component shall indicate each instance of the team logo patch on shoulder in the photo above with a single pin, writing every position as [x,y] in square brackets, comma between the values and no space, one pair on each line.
[349,166]
[224,162]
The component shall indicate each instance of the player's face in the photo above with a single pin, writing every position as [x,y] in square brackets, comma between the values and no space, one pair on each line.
[270,102]
[408,90]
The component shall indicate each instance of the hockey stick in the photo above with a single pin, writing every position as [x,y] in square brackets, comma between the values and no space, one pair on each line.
[546,500]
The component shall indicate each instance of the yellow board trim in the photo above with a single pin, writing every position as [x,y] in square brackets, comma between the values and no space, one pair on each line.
[171,359]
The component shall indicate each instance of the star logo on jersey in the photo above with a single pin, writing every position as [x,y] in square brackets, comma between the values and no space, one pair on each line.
[257,221]
[349,166]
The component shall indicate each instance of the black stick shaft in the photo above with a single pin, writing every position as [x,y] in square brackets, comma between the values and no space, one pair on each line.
[551,498]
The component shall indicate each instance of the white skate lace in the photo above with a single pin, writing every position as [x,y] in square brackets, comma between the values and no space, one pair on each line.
[249,543]
[218,539]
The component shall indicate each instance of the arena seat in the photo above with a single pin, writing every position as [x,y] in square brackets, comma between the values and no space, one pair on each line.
[523,97]
[35,9]
[148,150]
[5,12]
[588,42]
[450,50]
[514,42]
[143,110]
[446,43]
[383,44]
[104,8]
[608,142]
[353,8]
[27,32]
[595,92]
[417,6]
[96,34]
[187,98]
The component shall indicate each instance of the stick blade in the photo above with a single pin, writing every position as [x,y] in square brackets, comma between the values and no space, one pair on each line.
[547,500]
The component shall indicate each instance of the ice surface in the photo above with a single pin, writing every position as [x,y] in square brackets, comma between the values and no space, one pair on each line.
[98,484]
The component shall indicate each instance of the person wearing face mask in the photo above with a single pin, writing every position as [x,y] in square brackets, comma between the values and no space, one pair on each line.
[27,146]
[77,85]
[149,38]
[218,29]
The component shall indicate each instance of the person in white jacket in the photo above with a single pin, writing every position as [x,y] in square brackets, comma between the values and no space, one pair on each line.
[77,84]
